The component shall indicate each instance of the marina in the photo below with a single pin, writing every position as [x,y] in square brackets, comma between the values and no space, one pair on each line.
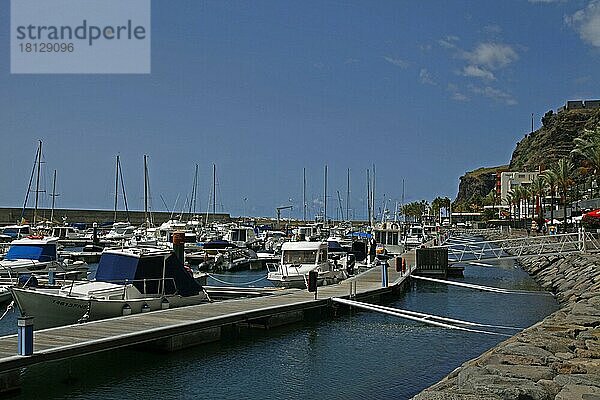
[280,200]
[419,353]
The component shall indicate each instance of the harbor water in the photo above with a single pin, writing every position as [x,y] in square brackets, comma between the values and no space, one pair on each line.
[353,356]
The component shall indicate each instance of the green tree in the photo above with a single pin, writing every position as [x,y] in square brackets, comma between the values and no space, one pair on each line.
[587,147]
[538,189]
[563,172]
[550,178]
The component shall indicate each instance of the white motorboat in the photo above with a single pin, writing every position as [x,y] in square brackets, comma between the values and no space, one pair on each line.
[389,237]
[243,236]
[68,232]
[120,231]
[414,237]
[128,281]
[12,232]
[30,254]
[298,259]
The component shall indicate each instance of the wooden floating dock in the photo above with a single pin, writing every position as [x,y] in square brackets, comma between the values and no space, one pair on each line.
[177,328]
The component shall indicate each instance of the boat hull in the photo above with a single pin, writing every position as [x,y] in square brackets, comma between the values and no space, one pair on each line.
[51,310]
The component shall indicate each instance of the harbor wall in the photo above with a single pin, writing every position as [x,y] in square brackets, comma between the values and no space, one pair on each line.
[557,358]
[10,216]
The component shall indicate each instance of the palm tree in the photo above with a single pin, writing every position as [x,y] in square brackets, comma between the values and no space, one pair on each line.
[550,178]
[588,147]
[538,189]
[563,171]
[510,198]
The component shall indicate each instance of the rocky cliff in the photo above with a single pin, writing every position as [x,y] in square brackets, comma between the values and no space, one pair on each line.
[553,140]
[541,148]
[475,185]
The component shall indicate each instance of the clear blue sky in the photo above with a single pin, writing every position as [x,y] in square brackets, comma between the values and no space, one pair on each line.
[424,89]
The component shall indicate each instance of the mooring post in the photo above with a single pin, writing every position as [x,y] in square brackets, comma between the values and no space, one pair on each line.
[95,233]
[51,275]
[384,274]
[179,245]
[25,336]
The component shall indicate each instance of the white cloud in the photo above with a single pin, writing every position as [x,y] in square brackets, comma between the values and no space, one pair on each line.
[587,23]
[492,55]
[351,61]
[494,94]
[492,29]
[396,61]
[425,77]
[449,42]
[478,72]
[456,94]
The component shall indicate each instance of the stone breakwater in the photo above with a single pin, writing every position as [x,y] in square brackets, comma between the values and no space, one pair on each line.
[557,358]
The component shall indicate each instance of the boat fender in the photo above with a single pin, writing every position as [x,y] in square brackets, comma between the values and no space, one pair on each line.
[164,303]
[145,308]
[126,309]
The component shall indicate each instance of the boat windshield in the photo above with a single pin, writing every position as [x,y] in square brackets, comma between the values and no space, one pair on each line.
[300,256]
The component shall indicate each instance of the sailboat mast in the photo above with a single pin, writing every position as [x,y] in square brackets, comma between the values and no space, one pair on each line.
[123,190]
[304,193]
[116,188]
[368,196]
[53,197]
[373,213]
[348,196]
[195,187]
[37,182]
[340,208]
[214,191]
[29,186]
[146,190]
[325,197]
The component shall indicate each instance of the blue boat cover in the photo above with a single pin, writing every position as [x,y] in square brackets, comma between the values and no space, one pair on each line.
[41,252]
[360,235]
[119,268]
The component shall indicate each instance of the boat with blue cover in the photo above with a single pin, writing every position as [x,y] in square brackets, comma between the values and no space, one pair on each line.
[127,281]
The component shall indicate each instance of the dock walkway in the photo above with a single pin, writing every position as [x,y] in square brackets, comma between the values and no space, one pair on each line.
[181,327]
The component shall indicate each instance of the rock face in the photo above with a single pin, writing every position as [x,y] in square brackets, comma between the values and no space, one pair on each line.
[475,185]
[558,358]
[541,148]
[553,140]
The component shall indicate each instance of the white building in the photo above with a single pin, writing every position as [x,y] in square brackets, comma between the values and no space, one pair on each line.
[510,180]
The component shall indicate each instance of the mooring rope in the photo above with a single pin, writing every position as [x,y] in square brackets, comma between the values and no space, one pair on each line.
[483,288]
[236,283]
[8,308]
[400,314]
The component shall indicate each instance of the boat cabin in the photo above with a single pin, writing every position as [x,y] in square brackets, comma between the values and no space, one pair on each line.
[32,248]
[304,253]
[241,236]
[13,232]
[66,232]
[151,271]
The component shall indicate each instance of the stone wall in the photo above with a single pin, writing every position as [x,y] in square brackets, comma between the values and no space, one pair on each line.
[557,358]
[10,216]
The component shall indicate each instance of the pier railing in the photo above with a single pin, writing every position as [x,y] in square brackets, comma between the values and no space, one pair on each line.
[518,247]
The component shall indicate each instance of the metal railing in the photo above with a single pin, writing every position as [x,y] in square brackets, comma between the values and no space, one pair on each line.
[525,246]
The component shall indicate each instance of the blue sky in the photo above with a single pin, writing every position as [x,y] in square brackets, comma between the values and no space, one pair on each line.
[425,90]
